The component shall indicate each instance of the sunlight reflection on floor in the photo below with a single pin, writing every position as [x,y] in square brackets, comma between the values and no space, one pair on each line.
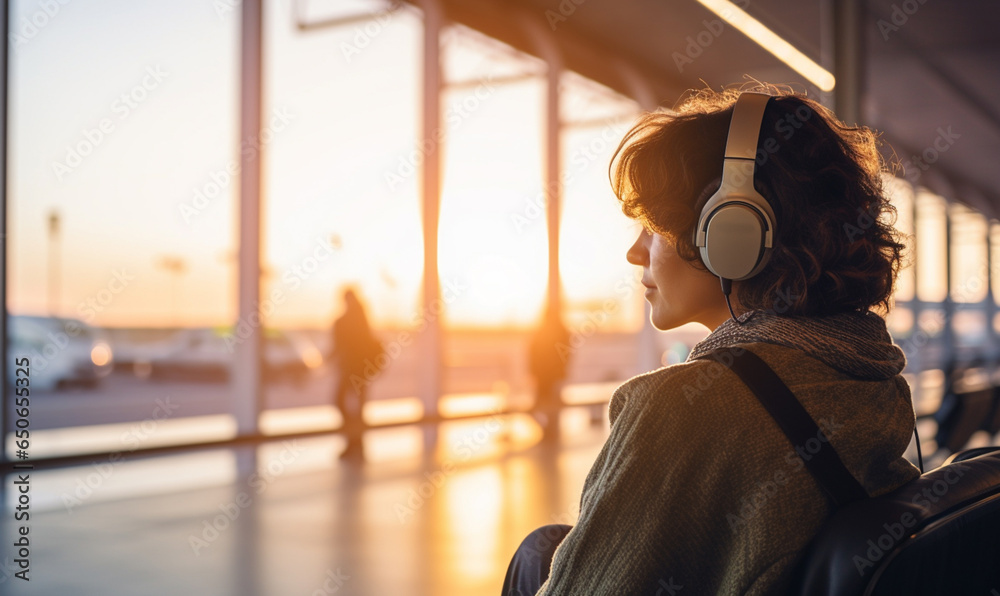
[432,510]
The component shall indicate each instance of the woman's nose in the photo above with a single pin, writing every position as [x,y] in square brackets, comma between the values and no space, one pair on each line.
[638,253]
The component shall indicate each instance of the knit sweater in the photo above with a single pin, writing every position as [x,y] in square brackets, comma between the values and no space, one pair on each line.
[698,491]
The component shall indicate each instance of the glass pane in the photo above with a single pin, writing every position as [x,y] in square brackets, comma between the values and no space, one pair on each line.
[594,233]
[341,212]
[492,231]
[968,255]
[603,305]
[931,251]
[901,195]
[970,328]
[900,322]
[995,260]
[121,207]
[471,57]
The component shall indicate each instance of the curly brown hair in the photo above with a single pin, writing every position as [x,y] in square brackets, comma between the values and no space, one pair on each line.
[835,247]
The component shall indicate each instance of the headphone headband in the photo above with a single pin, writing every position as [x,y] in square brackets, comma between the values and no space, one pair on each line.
[744,128]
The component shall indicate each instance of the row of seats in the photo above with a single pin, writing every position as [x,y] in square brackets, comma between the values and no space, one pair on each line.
[964,413]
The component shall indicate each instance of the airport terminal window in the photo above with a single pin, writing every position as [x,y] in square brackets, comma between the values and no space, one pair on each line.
[341,206]
[969,275]
[492,227]
[994,230]
[151,168]
[901,195]
[900,322]
[603,307]
[900,319]
[931,255]
[121,208]
[594,233]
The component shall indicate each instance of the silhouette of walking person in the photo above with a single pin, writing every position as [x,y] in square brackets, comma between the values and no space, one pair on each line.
[354,348]
[548,356]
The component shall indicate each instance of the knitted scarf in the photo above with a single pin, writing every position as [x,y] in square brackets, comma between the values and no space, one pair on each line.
[854,343]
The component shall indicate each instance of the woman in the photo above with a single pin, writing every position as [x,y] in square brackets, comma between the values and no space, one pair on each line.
[698,490]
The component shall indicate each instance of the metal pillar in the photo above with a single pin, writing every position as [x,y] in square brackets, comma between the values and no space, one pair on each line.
[4,70]
[915,359]
[431,353]
[553,185]
[54,256]
[948,333]
[990,307]
[246,385]
[848,58]
[549,51]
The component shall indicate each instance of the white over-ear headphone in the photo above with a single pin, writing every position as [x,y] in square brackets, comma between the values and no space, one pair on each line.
[735,232]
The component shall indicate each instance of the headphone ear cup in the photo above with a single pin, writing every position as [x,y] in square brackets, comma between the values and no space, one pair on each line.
[734,241]
[706,196]
[735,229]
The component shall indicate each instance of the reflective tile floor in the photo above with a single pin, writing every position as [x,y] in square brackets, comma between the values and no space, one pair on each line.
[429,511]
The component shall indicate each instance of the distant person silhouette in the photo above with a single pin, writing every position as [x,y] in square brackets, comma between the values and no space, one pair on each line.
[355,348]
[548,355]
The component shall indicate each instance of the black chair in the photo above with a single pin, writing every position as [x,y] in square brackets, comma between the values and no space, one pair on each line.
[963,414]
[938,535]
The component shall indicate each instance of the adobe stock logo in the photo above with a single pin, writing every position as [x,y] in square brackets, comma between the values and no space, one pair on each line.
[29,26]
[566,10]
[363,37]
[897,531]
[901,13]
[921,162]
[668,587]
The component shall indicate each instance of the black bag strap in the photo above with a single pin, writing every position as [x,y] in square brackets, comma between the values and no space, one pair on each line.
[779,401]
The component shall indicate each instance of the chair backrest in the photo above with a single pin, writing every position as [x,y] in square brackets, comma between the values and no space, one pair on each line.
[939,534]
[967,413]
